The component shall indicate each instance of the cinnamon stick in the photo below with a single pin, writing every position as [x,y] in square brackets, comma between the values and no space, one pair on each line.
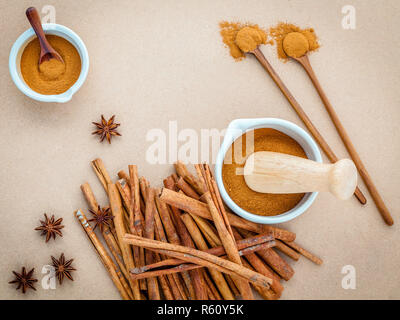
[115,251]
[216,196]
[196,264]
[135,198]
[184,235]
[101,173]
[102,253]
[126,201]
[180,227]
[143,186]
[274,260]
[130,226]
[277,263]
[172,235]
[208,230]
[187,189]
[232,285]
[89,196]
[185,287]
[116,209]
[265,293]
[164,281]
[169,227]
[152,284]
[104,178]
[212,291]
[137,219]
[107,234]
[122,175]
[253,259]
[260,267]
[169,183]
[199,208]
[201,244]
[304,252]
[183,172]
[180,266]
[200,258]
[174,280]
[210,234]
[164,284]
[224,231]
[282,247]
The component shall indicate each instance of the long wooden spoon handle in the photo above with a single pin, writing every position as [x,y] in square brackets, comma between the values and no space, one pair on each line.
[302,115]
[34,19]
[384,211]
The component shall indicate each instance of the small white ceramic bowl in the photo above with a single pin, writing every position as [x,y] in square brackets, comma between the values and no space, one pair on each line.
[237,128]
[17,49]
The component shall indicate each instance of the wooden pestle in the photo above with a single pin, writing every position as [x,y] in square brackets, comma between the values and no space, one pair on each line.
[273,172]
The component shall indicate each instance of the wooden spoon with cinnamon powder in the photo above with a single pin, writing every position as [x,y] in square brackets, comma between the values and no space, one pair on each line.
[51,64]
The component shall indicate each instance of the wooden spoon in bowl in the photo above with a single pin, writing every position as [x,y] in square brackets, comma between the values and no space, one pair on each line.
[47,52]
[305,62]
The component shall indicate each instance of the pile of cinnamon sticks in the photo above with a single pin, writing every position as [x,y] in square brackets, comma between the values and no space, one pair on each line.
[181,242]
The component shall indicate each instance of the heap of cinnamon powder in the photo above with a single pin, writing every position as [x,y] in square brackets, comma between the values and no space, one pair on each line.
[250,36]
[294,40]
[51,77]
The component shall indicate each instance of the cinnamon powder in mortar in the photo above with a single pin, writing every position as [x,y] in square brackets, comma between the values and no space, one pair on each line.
[264,204]
[51,77]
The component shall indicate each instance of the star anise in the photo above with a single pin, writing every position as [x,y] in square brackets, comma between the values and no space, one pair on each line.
[50,227]
[62,268]
[106,129]
[24,280]
[101,218]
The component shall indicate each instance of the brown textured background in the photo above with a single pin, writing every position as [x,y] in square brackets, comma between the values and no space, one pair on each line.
[155,61]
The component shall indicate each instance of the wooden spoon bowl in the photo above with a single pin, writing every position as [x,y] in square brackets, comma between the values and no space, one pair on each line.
[47,52]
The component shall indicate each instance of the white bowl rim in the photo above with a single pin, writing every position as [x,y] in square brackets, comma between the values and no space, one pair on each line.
[249,124]
[65,96]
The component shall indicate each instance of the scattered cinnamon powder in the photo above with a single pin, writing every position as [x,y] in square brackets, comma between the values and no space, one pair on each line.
[283,29]
[242,37]
[264,204]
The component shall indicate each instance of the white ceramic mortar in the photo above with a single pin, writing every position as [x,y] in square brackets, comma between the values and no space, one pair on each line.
[237,128]
[15,62]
